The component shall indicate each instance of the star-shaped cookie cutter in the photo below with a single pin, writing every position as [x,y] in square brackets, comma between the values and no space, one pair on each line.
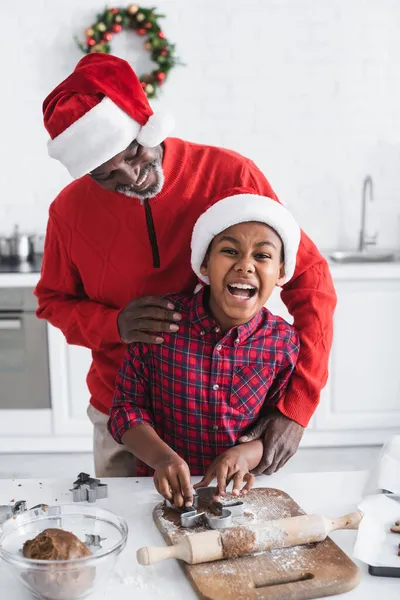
[88,488]
[190,515]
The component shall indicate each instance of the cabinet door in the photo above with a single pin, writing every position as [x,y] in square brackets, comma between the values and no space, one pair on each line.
[364,385]
[69,366]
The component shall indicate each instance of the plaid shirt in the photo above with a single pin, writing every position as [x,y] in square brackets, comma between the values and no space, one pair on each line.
[201,389]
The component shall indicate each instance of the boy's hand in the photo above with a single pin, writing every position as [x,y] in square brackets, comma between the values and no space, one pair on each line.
[232,464]
[172,480]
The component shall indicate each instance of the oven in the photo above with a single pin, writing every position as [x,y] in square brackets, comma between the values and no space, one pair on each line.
[24,370]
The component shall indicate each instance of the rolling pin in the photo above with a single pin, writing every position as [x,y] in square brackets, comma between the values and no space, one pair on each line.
[247,539]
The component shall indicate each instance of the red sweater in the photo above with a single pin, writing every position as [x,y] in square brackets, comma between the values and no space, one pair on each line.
[98,257]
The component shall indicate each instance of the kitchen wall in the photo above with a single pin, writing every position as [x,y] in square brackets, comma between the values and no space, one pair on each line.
[309,89]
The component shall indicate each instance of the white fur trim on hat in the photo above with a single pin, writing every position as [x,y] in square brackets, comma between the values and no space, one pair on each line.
[100,134]
[158,127]
[243,208]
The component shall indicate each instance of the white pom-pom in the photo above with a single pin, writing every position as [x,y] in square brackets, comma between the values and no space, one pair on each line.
[158,127]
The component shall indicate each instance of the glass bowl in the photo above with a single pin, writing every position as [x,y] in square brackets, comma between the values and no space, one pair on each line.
[104,533]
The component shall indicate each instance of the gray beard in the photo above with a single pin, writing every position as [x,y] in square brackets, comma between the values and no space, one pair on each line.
[151,191]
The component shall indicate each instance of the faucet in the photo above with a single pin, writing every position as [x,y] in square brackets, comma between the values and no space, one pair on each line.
[364,239]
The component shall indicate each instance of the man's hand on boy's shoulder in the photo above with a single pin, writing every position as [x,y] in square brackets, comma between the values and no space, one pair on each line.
[281,437]
[145,319]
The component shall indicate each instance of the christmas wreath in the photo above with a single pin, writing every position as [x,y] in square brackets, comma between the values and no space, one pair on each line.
[144,21]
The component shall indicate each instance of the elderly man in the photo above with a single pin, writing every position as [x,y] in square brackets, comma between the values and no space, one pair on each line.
[118,239]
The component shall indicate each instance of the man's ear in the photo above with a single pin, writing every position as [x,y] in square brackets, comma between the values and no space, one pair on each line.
[281,278]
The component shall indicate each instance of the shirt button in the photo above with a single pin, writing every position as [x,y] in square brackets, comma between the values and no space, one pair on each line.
[219,348]
[216,387]
[217,330]
[202,333]
[237,341]
[215,427]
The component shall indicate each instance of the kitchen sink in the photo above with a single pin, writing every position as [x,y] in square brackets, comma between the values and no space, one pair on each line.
[355,256]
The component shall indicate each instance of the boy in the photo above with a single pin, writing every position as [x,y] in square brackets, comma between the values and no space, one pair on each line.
[181,406]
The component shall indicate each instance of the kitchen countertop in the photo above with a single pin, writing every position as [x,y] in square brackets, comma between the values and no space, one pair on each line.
[27,275]
[329,494]
[24,274]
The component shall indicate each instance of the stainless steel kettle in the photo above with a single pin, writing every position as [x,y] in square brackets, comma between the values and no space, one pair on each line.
[16,247]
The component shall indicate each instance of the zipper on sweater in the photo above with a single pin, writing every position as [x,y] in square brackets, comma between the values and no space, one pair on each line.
[151,230]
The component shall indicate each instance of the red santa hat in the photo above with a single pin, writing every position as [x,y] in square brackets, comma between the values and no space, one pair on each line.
[97,112]
[242,207]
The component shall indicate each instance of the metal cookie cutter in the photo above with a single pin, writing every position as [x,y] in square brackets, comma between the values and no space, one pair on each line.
[227,508]
[93,541]
[88,488]
[11,510]
[190,516]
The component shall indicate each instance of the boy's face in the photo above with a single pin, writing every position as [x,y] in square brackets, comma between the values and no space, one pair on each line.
[243,265]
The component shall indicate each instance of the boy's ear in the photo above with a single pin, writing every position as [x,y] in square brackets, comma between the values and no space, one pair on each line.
[281,278]
[204,266]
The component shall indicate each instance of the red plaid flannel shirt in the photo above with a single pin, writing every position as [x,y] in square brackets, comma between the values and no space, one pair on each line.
[201,389]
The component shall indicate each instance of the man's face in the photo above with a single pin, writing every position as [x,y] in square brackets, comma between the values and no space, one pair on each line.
[136,172]
[244,264]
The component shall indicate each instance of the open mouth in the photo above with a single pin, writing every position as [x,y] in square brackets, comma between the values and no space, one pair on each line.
[142,179]
[242,291]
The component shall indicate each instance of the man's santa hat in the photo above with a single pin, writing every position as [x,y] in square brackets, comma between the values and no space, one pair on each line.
[242,207]
[97,112]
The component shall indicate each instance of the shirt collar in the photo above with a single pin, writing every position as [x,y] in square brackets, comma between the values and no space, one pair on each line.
[200,316]
[204,323]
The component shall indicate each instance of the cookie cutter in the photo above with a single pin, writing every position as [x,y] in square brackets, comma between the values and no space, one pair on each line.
[228,509]
[93,541]
[88,488]
[12,510]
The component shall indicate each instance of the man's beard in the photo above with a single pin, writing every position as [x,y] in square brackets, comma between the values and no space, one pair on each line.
[149,192]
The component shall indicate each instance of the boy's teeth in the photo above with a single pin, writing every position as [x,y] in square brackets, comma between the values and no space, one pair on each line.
[241,290]
[242,286]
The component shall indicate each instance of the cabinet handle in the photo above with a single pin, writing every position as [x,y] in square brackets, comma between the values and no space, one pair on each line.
[10,324]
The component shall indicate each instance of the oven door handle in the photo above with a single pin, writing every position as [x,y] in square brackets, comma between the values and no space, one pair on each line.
[10,324]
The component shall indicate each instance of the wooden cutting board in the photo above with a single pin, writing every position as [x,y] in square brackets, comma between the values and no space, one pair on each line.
[311,571]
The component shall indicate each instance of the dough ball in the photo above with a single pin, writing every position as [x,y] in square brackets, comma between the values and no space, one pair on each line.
[55,544]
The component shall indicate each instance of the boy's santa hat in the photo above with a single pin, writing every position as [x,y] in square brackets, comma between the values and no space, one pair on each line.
[242,207]
[97,112]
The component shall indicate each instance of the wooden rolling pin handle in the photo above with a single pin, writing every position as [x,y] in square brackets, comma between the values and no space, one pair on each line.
[193,549]
[350,521]
[150,555]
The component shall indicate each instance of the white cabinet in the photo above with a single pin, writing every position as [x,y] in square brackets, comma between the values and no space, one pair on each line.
[360,403]
[363,392]
[69,366]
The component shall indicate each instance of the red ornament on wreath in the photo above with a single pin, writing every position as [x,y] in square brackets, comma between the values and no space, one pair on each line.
[144,22]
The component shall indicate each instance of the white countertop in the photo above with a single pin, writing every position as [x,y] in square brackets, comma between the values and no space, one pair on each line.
[13,280]
[353,271]
[329,494]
